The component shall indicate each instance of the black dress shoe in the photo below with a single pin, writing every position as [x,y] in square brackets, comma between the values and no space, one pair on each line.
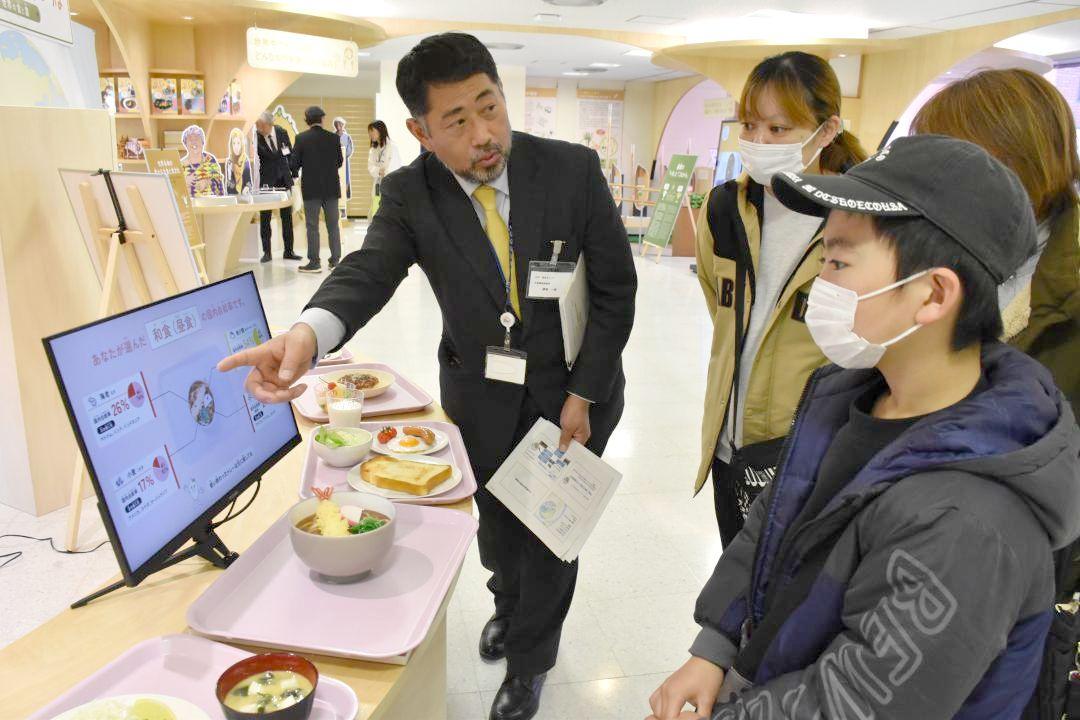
[493,638]
[292,256]
[265,258]
[311,267]
[518,697]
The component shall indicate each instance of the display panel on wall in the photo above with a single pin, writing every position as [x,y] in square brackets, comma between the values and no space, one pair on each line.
[51,18]
[600,122]
[540,111]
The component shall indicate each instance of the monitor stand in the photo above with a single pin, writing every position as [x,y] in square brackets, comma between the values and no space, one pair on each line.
[207,545]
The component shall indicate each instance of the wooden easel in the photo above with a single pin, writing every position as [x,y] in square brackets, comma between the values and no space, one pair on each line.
[647,246]
[112,242]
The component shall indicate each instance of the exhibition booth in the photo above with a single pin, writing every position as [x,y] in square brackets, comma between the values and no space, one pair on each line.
[132,230]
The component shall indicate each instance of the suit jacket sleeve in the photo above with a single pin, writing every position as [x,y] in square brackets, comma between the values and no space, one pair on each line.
[366,279]
[612,285]
[295,157]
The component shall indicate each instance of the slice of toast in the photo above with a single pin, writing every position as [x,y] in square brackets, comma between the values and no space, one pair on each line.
[404,475]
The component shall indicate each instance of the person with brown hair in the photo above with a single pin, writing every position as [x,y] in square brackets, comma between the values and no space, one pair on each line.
[1020,118]
[756,261]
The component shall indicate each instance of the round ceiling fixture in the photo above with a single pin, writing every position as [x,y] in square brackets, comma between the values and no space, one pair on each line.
[576,3]
[503,46]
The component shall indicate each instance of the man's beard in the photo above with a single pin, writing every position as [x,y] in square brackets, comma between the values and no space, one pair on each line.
[482,176]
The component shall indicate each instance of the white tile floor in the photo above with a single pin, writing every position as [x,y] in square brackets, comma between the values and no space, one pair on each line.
[631,621]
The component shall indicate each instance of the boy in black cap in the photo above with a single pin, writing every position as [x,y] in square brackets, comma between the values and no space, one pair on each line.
[317,152]
[900,563]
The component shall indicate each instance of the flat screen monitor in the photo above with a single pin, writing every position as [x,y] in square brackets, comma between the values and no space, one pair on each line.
[168,440]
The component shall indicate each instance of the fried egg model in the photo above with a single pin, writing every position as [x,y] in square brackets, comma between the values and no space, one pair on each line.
[407,444]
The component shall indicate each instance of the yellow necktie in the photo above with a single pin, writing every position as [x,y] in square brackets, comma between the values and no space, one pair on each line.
[499,237]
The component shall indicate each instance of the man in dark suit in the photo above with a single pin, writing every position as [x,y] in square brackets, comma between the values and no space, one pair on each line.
[274,149]
[473,211]
[316,157]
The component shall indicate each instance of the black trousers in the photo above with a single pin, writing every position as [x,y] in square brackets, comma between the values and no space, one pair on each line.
[531,586]
[729,517]
[286,229]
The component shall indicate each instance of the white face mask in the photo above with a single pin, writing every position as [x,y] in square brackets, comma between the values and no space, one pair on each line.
[830,316]
[763,160]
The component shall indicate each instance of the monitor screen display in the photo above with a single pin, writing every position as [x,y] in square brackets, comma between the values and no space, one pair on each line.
[165,435]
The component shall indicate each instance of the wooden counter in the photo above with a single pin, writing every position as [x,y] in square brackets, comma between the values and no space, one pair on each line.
[77,643]
[223,229]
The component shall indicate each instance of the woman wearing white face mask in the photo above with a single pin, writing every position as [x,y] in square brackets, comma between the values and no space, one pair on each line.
[756,255]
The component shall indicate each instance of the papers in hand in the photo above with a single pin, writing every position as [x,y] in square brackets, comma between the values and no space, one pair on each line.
[559,497]
[574,312]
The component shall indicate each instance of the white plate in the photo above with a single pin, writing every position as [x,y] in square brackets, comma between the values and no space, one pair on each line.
[182,709]
[441,441]
[359,484]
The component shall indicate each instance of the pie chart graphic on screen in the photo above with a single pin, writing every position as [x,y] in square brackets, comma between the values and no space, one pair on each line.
[136,394]
[161,468]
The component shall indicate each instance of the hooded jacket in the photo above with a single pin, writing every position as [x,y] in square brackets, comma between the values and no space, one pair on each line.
[924,588]
[787,354]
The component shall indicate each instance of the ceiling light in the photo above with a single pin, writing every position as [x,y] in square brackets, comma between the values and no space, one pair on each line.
[777,26]
[654,20]
[589,70]
[638,52]
[186,17]
[842,55]
[575,74]
[363,53]
[604,65]
[73,13]
[576,3]
[547,17]
[503,46]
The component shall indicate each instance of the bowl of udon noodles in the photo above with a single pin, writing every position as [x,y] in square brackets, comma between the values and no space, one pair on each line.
[342,536]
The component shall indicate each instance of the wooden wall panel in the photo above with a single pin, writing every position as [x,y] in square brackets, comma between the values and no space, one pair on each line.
[358,112]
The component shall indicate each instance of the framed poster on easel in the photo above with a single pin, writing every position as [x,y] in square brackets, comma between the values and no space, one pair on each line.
[135,236]
[673,197]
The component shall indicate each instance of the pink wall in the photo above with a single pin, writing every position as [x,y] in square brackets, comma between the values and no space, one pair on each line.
[688,124]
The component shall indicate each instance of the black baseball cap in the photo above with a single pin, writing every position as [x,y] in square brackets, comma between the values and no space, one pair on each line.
[314,114]
[959,187]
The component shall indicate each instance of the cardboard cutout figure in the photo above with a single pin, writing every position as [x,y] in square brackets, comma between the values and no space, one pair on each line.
[201,169]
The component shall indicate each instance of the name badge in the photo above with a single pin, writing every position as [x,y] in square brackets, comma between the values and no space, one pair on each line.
[549,281]
[285,150]
[505,365]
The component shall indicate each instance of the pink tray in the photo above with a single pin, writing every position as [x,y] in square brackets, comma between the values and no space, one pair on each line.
[187,667]
[402,397]
[346,357]
[318,473]
[271,599]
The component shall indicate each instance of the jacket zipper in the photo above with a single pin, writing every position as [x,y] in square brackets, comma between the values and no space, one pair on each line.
[785,450]
[816,241]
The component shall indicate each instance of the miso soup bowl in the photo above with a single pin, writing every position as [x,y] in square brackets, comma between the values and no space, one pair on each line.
[343,559]
[262,663]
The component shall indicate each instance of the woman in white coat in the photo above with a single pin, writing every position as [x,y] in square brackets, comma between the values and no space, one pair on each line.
[382,159]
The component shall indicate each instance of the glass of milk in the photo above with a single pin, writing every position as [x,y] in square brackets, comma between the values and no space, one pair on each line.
[345,405]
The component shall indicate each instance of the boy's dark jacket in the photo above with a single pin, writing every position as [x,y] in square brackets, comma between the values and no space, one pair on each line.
[924,588]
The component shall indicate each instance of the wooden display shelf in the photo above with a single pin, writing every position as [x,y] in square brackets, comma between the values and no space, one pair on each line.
[170,73]
[185,116]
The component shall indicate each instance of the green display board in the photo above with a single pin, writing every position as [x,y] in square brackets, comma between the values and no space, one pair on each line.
[677,180]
